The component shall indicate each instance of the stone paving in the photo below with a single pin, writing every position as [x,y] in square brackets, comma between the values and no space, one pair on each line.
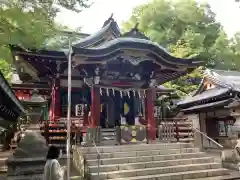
[74,174]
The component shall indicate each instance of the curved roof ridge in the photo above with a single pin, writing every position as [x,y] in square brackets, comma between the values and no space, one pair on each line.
[109,25]
[117,44]
[216,77]
[135,33]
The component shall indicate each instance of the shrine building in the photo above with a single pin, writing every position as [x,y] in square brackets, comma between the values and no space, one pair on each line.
[10,111]
[215,107]
[115,78]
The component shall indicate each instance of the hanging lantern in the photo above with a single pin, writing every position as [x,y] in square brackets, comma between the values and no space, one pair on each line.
[101,91]
[144,93]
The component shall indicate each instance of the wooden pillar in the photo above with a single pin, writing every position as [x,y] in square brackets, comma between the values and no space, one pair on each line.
[95,106]
[57,99]
[55,105]
[150,115]
[85,115]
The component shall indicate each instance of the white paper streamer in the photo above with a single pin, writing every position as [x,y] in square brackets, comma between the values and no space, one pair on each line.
[121,94]
[113,92]
[128,93]
[134,93]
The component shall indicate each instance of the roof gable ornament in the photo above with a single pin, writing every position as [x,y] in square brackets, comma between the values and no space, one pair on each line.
[110,19]
[135,33]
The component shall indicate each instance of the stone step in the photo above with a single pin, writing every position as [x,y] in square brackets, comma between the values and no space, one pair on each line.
[108,133]
[225,177]
[106,138]
[26,177]
[141,153]
[110,142]
[3,169]
[3,161]
[180,175]
[108,130]
[146,158]
[137,147]
[142,165]
[155,170]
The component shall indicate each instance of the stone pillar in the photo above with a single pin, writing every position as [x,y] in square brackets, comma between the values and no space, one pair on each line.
[196,125]
[150,115]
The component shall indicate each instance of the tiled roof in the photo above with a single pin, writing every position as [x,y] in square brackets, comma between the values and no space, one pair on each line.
[208,105]
[9,92]
[204,95]
[225,78]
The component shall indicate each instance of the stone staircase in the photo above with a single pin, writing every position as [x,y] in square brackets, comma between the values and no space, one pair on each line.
[172,161]
[108,136]
[3,165]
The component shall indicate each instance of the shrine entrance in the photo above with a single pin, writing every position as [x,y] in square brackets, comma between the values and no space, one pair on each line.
[107,112]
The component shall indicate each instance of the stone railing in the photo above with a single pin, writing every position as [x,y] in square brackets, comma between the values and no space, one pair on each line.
[79,161]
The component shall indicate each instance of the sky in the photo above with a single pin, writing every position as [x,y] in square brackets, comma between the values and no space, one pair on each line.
[91,20]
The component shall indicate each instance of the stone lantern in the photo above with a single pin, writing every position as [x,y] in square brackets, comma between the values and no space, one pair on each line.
[29,157]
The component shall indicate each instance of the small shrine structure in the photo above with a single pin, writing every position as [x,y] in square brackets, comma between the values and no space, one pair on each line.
[114,78]
[215,107]
[10,110]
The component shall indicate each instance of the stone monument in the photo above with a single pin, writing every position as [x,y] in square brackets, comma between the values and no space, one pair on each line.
[29,158]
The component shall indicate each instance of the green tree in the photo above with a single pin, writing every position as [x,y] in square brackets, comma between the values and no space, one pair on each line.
[5,68]
[30,23]
[187,29]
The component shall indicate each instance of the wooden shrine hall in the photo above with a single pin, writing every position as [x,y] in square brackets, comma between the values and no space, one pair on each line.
[215,107]
[114,77]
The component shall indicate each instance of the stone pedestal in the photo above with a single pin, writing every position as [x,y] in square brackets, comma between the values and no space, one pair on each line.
[29,157]
[93,133]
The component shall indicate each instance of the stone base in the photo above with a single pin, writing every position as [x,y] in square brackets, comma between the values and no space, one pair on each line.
[26,177]
[25,166]
[93,134]
[30,156]
[230,159]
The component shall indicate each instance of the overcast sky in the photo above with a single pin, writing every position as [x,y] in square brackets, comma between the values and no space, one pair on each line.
[92,19]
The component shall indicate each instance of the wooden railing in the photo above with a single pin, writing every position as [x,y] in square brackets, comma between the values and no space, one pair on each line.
[175,130]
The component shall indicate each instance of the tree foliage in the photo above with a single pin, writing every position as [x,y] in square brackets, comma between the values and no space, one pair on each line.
[30,23]
[187,29]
